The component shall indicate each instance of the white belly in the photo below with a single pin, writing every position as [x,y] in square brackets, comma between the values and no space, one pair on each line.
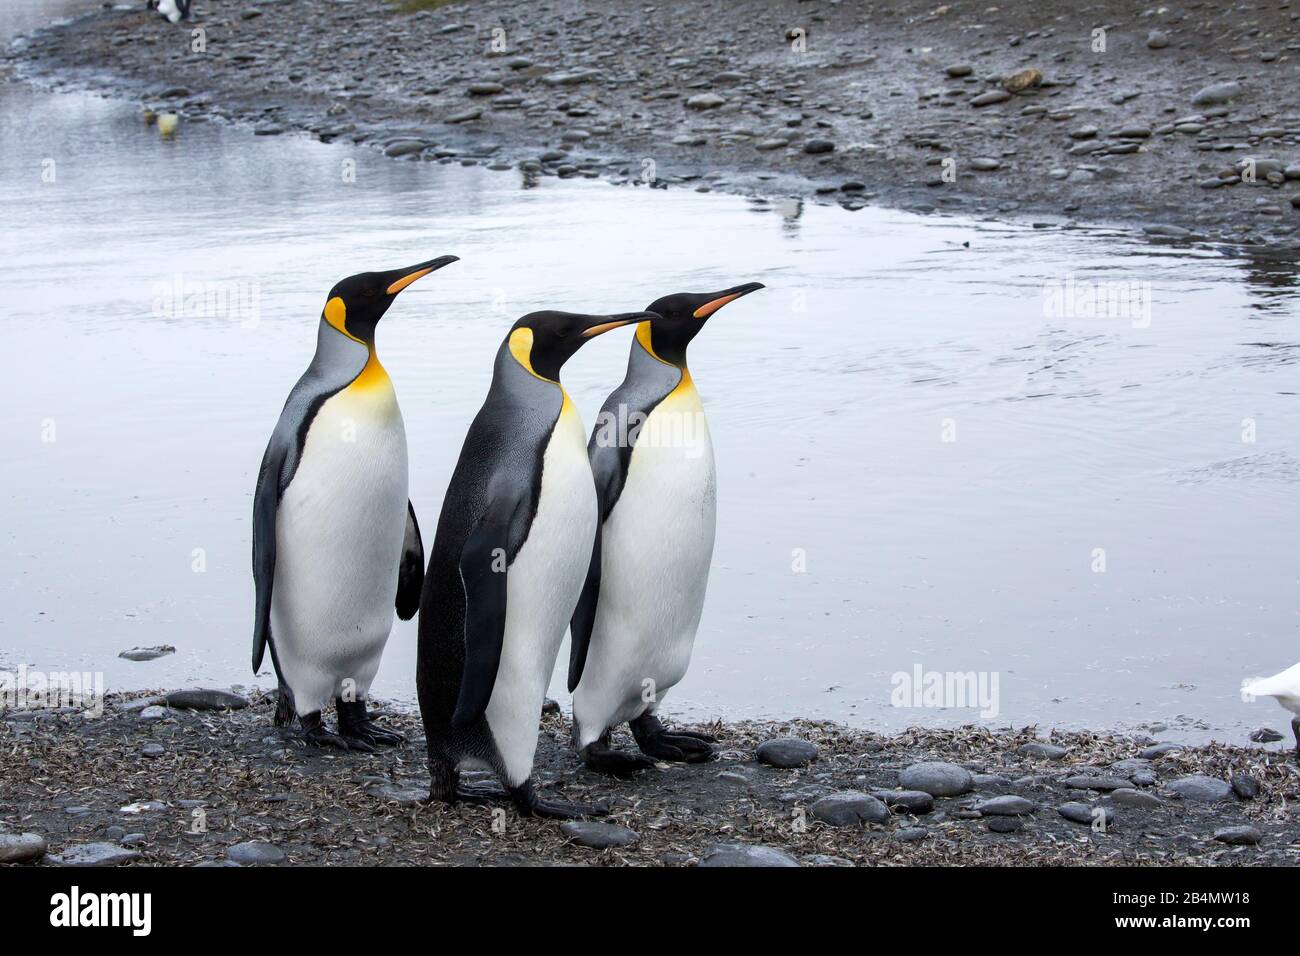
[656,546]
[543,587]
[339,532]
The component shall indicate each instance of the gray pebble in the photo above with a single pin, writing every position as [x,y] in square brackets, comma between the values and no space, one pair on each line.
[1157,40]
[255,853]
[205,700]
[911,834]
[21,847]
[1238,835]
[746,854]
[817,146]
[94,854]
[1041,750]
[849,808]
[1008,805]
[1216,93]
[1005,824]
[1136,799]
[937,779]
[1201,789]
[786,752]
[1083,813]
[1244,786]
[597,835]
[1088,782]
[913,801]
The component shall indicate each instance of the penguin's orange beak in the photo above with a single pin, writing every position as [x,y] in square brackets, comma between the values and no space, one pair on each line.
[716,300]
[399,279]
[605,323]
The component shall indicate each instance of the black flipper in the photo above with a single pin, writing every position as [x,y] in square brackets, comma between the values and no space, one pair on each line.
[584,616]
[410,574]
[266,500]
[609,470]
[483,571]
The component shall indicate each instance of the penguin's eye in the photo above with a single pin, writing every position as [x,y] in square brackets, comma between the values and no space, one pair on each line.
[369,292]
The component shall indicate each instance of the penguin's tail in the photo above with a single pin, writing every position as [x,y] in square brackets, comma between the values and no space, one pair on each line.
[284,712]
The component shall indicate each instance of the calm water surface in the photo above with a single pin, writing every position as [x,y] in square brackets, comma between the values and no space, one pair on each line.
[830,396]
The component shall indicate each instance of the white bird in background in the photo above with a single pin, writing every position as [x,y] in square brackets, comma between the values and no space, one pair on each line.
[1286,688]
[174,10]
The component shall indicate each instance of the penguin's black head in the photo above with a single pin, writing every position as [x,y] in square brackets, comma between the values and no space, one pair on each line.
[543,341]
[678,318]
[357,303]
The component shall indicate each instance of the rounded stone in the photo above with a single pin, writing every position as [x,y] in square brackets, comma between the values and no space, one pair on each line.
[913,801]
[1007,805]
[1201,789]
[786,752]
[1238,836]
[1005,824]
[1042,750]
[746,854]
[255,853]
[597,835]
[849,808]
[937,778]
[21,847]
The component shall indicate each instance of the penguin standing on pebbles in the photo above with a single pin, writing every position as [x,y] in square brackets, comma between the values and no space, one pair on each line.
[512,550]
[634,627]
[336,547]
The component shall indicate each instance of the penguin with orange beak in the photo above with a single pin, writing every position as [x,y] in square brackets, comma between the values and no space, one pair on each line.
[634,627]
[336,546]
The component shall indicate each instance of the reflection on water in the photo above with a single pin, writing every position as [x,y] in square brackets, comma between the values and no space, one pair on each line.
[919,462]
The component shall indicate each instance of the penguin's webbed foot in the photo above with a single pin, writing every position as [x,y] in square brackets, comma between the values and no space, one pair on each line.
[356,727]
[618,763]
[656,741]
[315,734]
[531,805]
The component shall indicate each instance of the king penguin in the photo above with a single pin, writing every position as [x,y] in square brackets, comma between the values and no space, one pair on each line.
[336,546]
[509,559]
[634,626]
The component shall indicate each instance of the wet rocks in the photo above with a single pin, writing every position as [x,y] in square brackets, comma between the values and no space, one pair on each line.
[1084,132]
[1244,785]
[1005,824]
[747,855]
[1084,813]
[985,164]
[847,809]
[464,116]
[1159,750]
[570,77]
[958,70]
[1266,735]
[1216,93]
[1022,80]
[913,801]
[937,779]
[485,89]
[1042,751]
[402,796]
[990,98]
[598,835]
[152,712]
[786,753]
[205,700]
[1157,40]
[405,147]
[21,847]
[147,653]
[1137,799]
[1238,835]
[815,147]
[1201,789]
[255,853]
[94,854]
[1007,805]
[1090,782]
[705,101]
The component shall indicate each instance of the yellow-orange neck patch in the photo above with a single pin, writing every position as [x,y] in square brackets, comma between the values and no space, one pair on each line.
[521,347]
[336,314]
[643,336]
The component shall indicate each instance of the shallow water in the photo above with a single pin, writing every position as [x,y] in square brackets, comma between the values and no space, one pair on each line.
[831,398]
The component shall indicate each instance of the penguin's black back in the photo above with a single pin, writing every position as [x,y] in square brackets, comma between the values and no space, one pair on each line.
[502,454]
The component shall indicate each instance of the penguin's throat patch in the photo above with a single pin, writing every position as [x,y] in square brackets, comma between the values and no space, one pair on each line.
[643,336]
[521,348]
[373,375]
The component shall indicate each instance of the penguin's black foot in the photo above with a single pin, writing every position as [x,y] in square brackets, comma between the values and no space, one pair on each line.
[618,763]
[355,725]
[315,735]
[531,805]
[656,741]
[1295,729]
